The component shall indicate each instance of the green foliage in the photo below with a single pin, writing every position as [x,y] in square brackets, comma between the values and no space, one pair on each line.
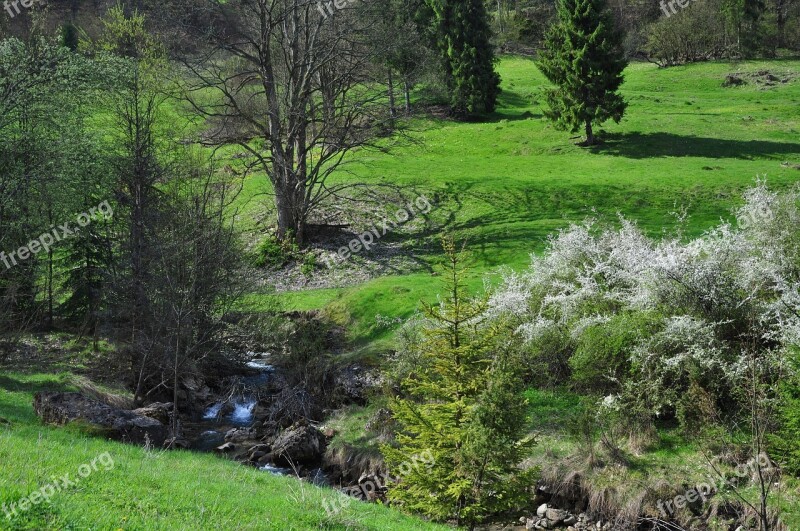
[602,357]
[464,407]
[309,264]
[275,253]
[583,57]
[463,38]
[785,444]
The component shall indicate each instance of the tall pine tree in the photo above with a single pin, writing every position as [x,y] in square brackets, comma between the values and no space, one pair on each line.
[584,58]
[464,40]
[463,406]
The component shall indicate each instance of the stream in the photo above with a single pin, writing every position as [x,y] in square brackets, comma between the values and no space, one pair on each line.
[238,411]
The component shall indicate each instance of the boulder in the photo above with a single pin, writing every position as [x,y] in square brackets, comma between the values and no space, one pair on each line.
[117,424]
[556,516]
[160,411]
[225,448]
[241,435]
[299,444]
[542,510]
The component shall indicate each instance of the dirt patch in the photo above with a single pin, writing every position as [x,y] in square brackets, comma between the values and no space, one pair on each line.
[764,79]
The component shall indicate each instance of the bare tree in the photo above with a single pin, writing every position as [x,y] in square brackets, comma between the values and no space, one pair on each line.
[290,84]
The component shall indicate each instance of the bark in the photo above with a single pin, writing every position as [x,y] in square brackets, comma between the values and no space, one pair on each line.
[590,140]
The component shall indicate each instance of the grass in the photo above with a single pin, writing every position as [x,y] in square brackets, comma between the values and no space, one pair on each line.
[504,185]
[149,489]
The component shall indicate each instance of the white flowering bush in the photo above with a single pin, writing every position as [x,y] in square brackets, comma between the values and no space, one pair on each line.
[610,311]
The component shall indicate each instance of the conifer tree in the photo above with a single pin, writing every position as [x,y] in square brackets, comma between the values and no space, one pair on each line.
[464,408]
[464,40]
[583,56]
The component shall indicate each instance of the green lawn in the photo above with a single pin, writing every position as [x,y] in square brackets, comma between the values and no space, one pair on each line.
[143,489]
[506,184]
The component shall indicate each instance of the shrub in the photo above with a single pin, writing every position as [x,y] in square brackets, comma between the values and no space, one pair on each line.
[657,321]
[785,444]
[694,33]
[275,253]
[602,359]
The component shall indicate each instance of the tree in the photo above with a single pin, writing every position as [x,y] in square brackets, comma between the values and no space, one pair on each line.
[134,62]
[463,38]
[398,45]
[292,88]
[39,161]
[463,407]
[583,57]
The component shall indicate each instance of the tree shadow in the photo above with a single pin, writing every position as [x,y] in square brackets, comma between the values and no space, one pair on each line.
[13,385]
[652,145]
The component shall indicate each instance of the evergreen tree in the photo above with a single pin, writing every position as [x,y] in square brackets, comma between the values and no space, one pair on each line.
[464,408]
[584,58]
[463,36]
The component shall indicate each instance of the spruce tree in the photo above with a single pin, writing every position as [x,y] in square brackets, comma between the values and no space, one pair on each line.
[464,408]
[584,58]
[464,40]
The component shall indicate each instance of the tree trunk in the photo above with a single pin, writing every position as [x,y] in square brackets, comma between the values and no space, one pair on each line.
[407,93]
[589,133]
[780,14]
[392,110]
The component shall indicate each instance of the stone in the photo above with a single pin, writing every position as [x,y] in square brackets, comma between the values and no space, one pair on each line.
[301,443]
[161,411]
[225,448]
[542,510]
[259,448]
[118,424]
[556,516]
[570,520]
[241,435]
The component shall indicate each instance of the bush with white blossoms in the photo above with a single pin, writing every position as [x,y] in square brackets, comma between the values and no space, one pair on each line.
[609,310]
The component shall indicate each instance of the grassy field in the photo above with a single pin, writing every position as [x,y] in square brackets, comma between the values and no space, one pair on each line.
[504,185]
[133,488]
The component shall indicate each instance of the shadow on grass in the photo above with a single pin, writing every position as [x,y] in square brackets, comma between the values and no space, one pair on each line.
[14,385]
[652,145]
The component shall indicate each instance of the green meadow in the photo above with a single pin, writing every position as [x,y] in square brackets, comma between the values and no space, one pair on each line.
[135,488]
[678,161]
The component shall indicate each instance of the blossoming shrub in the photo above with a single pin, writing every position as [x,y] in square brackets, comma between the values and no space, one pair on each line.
[664,326]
